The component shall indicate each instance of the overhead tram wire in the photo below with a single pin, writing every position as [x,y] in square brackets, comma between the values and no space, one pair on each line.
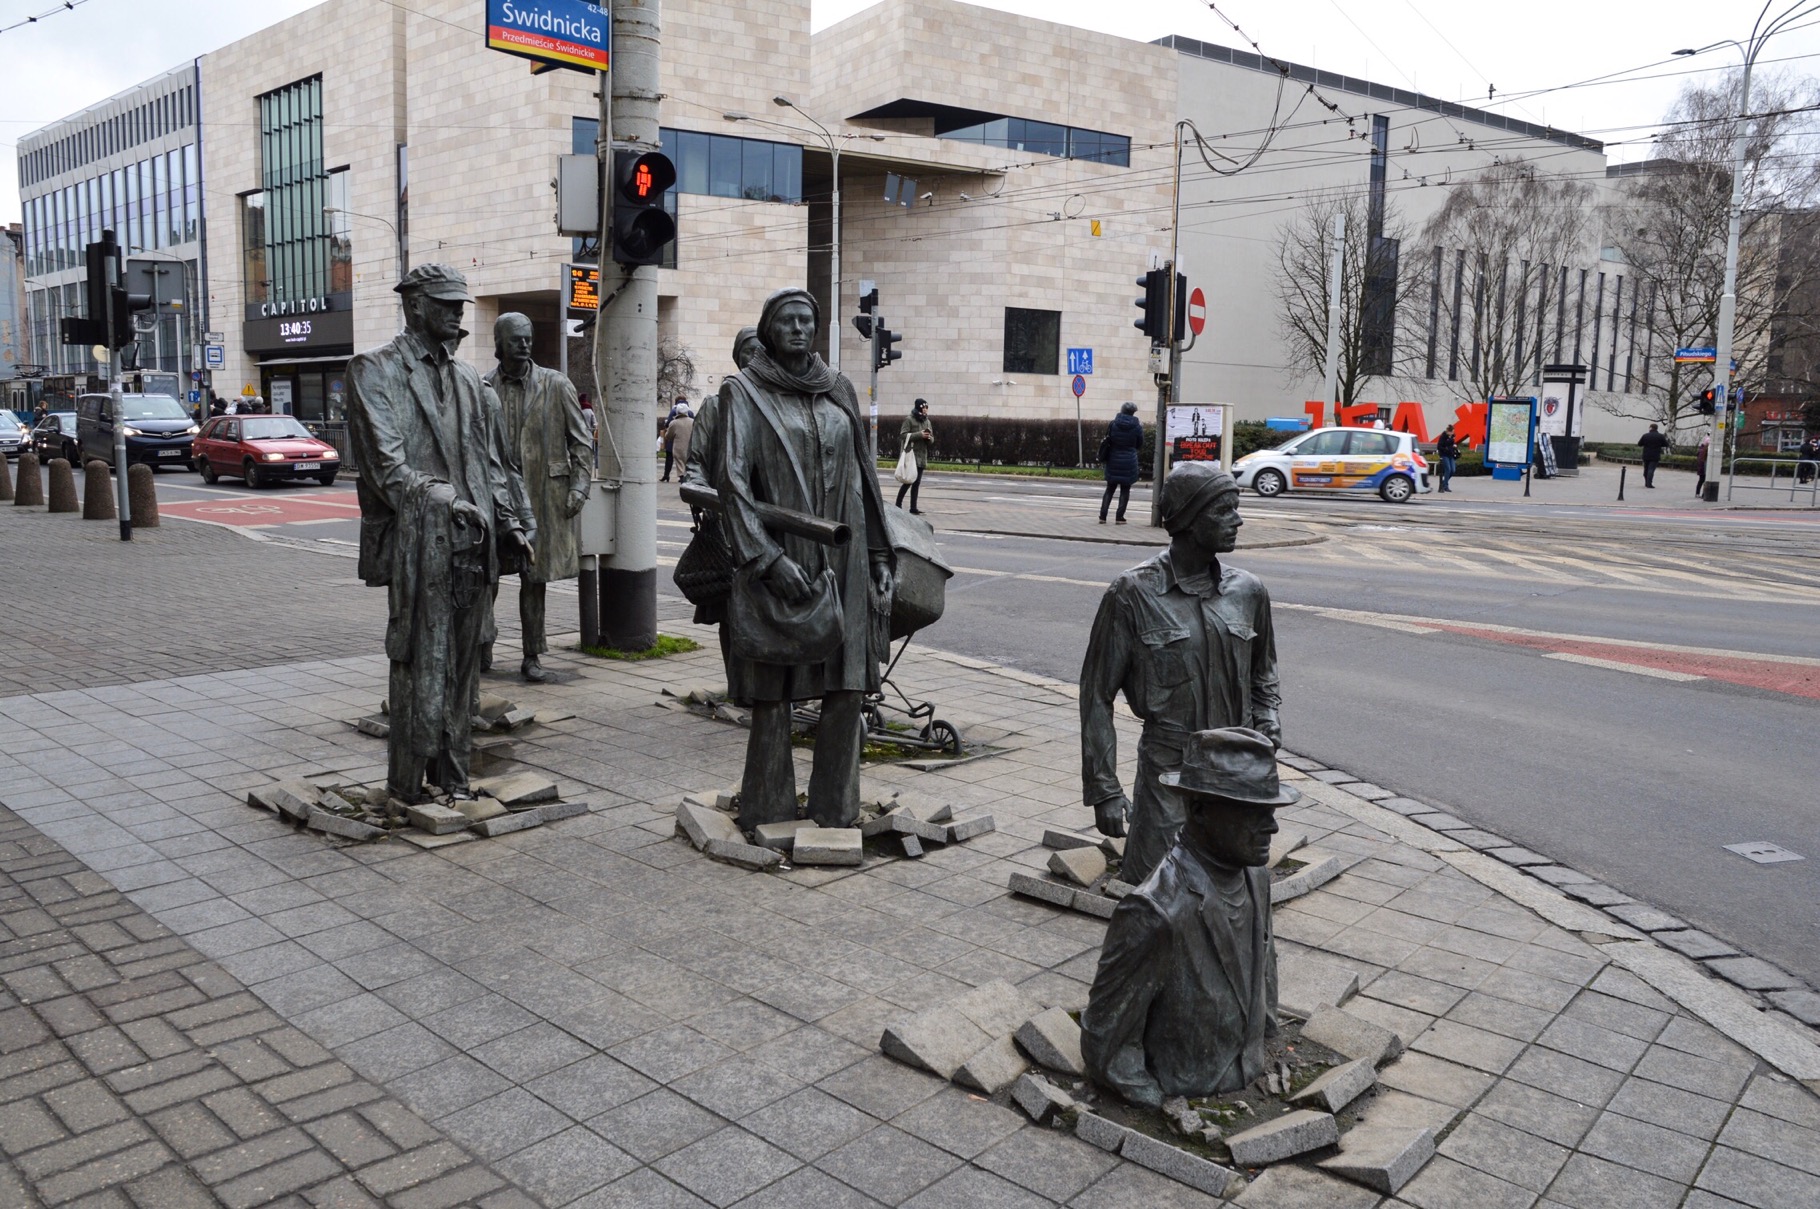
[65,7]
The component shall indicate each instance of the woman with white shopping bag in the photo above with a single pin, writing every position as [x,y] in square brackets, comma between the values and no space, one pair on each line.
[917,440]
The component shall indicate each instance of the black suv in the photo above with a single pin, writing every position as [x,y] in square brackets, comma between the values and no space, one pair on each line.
[159,429]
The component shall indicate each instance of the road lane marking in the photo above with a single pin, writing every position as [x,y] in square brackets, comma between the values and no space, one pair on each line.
[1613,665]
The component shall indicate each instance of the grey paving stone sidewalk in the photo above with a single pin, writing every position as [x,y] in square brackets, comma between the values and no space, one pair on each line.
[607,1019]
[135,1071]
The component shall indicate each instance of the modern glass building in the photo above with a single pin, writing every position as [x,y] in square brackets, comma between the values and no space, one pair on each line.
[131,164]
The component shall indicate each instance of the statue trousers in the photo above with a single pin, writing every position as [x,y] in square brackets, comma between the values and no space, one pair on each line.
[448,768]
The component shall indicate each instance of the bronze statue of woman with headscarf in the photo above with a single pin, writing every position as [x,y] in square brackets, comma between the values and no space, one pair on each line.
[807,620]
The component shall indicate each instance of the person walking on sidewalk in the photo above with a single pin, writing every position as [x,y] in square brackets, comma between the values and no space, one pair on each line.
[1447,448]
[677,412]
[1706,445]
[918,441]
[1809,453]
[1653,443]
[1119,455]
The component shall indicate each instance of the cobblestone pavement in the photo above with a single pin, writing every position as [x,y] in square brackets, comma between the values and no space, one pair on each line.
[605,1018]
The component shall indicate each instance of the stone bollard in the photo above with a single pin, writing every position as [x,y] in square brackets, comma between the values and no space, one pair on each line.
[142,496]
[29,491]
[98,492]
[63,486]
[6,480]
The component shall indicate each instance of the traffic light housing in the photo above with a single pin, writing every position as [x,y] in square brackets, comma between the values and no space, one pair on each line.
[642,228]
[863,321]
[1708,403]
[1154,304]
[884,351]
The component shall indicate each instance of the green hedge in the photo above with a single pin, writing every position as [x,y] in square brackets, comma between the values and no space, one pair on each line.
[1007,441]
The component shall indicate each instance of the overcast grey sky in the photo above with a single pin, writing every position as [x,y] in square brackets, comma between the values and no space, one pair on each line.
[76,57]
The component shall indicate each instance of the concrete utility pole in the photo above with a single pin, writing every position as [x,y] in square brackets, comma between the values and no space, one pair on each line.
[1335,279]
[625,342]
[1168,385]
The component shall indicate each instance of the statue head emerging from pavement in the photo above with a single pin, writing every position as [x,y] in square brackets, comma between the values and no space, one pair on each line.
[1200,508]
[512,338]
[1229,780]
[433,297]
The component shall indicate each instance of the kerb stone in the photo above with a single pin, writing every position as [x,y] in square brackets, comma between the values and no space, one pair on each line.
[1067,839]
[993,1068]
[1082,866]
[913,847]
[507,823]
[897,820]
[1294,1133]
[1107,1135]
[551,812]
[334,824]
[1042,889]
[1302,881]
[703,823]
[1353,1036]
[961,830]
[435,819]
[1053,1039]
[1040,1099]
[1096,905]
[1752,973]
[374,726]
[1803,1005]
[1179,1165]
[1382,1158]
[1695,944]
[1340,1086]
[1645,919]
[746,856]
[828,846]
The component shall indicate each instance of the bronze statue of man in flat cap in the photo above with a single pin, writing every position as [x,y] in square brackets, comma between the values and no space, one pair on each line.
[437,495]
[1190,643]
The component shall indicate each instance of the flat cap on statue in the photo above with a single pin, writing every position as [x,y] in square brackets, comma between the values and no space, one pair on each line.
[1232,764]
[436,281]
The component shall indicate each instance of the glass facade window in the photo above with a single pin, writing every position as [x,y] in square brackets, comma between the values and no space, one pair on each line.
[252,249]
[1033,341]
[1044,138]
[720,165]
[296,236]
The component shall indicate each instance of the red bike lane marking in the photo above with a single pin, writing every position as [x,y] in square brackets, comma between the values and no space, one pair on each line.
[253,512]
[1794,679]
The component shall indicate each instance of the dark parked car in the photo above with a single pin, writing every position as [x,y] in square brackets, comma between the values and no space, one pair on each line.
[14,436]
[55,437]
[262,450]
[158,429]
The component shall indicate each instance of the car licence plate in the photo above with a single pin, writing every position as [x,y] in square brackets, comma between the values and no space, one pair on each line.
[308,466]
[170,453]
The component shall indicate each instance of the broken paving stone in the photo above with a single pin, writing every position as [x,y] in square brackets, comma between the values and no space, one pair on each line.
[478,810]
[1042,889]
[335,824]
[746,856]
[546,716]
[492,707]
[1289,1135]
[520,789]
[1383,1158]
[1309,981]
[1302,881]
[1294,1187]
[1695,944]
[1107,1135]
[1082,866]
[997,1007]
[937,1039]
[913,847]
[374,725]
[1285,843]
[436,819]
[828,846]
[898,819]
[291,798]
[1096,905]
[727,799]
[424,839]
[993,1068]
[941,814]
[1645,919]
[703,824]
[961,830]
[1040,1099]
[780,837]
[1355,1037]
[1339,1086]
[551,812]
[508,822]
[1053,1039]
[1067,839]
[1177,1164]
[514,719]
[727,712]
[1118,889]
[1596,893]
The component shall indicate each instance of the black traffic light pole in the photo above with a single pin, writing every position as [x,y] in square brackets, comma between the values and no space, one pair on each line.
[110,260]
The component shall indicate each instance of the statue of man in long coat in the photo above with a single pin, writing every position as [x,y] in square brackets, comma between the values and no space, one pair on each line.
[437,498]
[548,442]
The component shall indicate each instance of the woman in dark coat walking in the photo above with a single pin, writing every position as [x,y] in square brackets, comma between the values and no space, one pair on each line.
[1119,454]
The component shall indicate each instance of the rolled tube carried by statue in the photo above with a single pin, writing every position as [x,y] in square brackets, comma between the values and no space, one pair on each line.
[784,520]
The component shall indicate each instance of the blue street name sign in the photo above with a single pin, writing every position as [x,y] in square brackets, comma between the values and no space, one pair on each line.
[1080,361]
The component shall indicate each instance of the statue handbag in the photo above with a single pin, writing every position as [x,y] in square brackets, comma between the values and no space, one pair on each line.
[765,628]
[906,471]
[704,573]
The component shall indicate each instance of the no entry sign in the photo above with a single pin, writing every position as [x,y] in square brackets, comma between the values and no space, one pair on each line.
[1197,311]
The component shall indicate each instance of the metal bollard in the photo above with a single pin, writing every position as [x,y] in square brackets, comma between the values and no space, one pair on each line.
[1622,471]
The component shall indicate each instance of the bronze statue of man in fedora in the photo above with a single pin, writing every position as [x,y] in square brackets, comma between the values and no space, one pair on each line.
[1186,989]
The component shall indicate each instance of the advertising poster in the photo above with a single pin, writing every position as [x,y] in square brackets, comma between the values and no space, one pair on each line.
[563,33]
[1195,432]
[1551,417]
[1507,431]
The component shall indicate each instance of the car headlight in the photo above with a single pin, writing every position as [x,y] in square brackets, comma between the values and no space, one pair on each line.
[272,457]
[192,430]
[130,431]
[1250,457]
[329,455]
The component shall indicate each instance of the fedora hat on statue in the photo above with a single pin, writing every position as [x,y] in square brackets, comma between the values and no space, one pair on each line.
[1232,765]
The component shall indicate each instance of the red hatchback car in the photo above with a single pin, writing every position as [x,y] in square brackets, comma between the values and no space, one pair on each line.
[262,450]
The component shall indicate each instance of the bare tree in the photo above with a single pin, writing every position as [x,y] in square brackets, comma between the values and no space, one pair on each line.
[675,373]
[1506,243]
[1367,290]
[1672,220]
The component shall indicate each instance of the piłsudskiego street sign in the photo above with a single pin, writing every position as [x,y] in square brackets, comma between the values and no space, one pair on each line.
[1080,361]
[1080,386]
[1197,311]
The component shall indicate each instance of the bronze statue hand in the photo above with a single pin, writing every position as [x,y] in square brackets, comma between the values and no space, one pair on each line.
[526,543]
[1109,816]
[467,514]
[788,580]
[882,581]
[576,500]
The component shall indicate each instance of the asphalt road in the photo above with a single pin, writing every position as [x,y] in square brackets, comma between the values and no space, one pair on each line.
[1637,777]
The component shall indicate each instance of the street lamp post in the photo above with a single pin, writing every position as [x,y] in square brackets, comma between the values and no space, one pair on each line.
[1728,300]
[397,241]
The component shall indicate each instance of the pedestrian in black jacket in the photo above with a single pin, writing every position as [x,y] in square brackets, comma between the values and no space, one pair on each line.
[1119,455]
[1447,448]
[1653,444]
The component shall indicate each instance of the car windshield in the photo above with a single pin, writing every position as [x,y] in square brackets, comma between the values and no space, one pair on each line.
[152,407]
[272,428]
[9,422]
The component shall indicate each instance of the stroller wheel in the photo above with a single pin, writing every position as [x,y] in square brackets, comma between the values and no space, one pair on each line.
[946,736]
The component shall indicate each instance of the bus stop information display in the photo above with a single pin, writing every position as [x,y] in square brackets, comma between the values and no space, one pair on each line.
[1508,426]
[562,33]
[584,288]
